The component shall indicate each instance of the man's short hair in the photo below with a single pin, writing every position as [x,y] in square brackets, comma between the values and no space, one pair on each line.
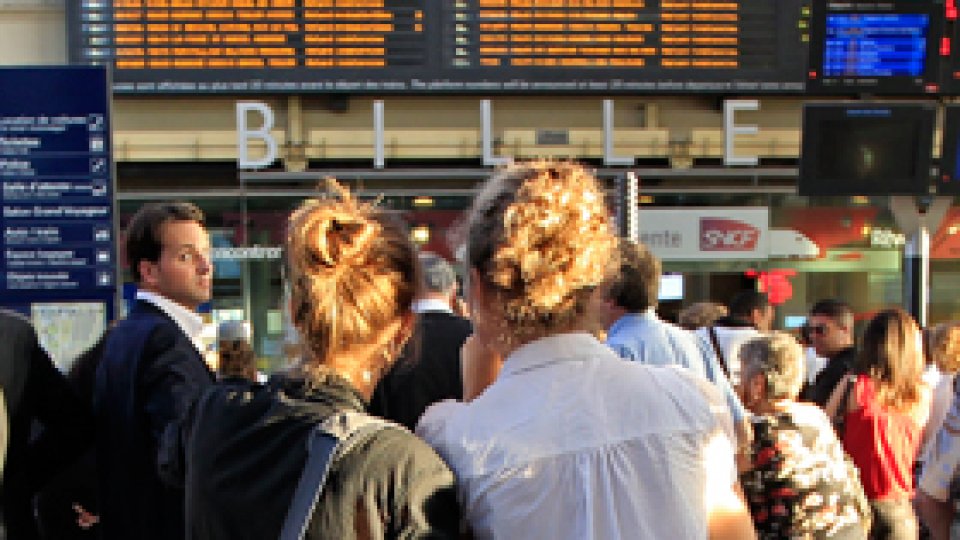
[744,302]
[438,275]
[143,231]
[636,285]
[837,310]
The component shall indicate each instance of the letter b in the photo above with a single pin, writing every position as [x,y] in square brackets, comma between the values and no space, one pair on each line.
[245,135]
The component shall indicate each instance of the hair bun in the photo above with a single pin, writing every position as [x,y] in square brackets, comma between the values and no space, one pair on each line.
[557,238]
[331,234]
[341,239]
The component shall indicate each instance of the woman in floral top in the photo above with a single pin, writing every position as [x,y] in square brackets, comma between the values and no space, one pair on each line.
[798,482]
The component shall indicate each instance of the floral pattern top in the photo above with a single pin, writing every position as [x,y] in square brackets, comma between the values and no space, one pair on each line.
[802,485]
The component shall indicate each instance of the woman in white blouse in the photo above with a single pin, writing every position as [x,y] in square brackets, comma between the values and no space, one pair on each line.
[556,436]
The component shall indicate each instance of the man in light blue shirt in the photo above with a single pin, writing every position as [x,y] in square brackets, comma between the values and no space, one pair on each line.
[635,332]
[644,337]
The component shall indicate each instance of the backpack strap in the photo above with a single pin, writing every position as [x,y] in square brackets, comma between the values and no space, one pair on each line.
[329,440]
[840,415]
[712,332]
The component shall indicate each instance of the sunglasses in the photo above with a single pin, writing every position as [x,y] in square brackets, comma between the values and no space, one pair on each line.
[817,329]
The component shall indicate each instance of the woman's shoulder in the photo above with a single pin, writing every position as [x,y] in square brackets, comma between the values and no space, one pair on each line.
[808,414]
[392,452]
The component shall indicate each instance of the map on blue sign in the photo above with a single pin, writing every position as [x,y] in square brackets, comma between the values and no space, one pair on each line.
[58,261]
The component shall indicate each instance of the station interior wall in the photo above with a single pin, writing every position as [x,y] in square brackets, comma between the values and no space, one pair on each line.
[179,129]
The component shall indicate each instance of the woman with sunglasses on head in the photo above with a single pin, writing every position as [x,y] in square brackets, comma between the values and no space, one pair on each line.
[559,438]
[352,273]
[881,409]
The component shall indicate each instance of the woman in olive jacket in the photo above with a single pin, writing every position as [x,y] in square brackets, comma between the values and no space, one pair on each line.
[241,450]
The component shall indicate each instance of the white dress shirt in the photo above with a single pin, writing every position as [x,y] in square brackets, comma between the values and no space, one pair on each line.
[423,305]
[189,322]
[572,442]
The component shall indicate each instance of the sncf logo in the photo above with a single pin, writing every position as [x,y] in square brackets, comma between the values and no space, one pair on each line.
[719,234]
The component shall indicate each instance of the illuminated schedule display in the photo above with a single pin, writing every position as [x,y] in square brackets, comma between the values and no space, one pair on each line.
[876,47]
[444,46]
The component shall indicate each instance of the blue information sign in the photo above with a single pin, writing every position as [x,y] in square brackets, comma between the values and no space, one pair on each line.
[876,45]
[57,194]
[875,48]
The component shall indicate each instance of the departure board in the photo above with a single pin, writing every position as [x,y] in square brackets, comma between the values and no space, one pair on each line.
[874,47]
[444,46]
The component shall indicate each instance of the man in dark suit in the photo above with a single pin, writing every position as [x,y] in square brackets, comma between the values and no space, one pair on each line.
[429,368]
[36,396]
[152,370]
[831,332]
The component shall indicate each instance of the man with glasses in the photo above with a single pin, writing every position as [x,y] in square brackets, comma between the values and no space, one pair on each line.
[830,328]
[152,370]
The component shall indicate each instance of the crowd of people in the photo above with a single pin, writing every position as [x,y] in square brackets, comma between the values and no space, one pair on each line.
[560,406]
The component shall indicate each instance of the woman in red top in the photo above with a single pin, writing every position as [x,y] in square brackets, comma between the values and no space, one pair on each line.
[883,407]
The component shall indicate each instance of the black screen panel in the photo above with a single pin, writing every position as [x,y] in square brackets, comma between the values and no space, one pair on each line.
[866,149]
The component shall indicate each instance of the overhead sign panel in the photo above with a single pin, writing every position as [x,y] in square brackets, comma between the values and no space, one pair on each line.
[444,46]
[56,191]
[693,233]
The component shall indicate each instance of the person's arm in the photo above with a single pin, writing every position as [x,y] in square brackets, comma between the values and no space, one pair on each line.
[480,366]
[396,486]
[66,421]
[939,471]
[171,379]
[921,413]
[936,515]
[727,514]
[171,452]
[431,505]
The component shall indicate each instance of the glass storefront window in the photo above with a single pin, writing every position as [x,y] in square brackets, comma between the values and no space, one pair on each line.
[842,247]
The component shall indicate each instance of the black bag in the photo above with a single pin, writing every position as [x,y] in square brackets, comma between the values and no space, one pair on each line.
[330,439]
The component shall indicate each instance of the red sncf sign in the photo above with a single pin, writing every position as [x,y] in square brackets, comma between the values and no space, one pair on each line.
[720,234]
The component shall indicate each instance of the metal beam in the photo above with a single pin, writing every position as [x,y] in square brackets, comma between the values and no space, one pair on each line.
[266,177]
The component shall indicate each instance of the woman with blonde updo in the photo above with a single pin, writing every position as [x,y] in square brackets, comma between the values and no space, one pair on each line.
[352,276]
[558,437]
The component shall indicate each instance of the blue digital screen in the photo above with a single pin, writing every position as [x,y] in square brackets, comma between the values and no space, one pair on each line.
[875,45]
[869,48]
[56,187]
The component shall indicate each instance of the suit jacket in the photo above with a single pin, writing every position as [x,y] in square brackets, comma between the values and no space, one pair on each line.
[36,395]
[829,377]
[149,376]
[427,371]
